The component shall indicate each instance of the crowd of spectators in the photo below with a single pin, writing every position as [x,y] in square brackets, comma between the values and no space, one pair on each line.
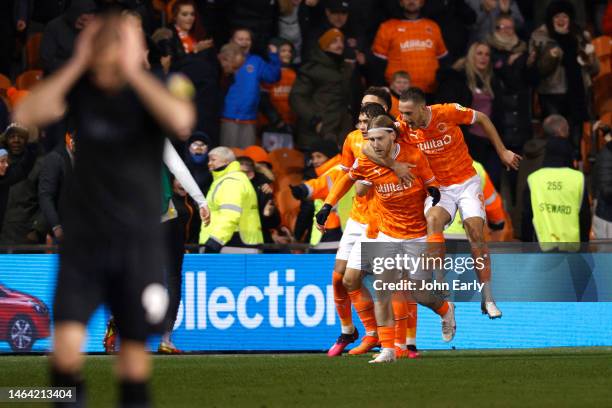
[285,75]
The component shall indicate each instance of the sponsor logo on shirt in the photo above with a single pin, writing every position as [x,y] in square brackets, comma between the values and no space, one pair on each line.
[282,90]
[415,45]
[250,68]
[435,145]
[388,188]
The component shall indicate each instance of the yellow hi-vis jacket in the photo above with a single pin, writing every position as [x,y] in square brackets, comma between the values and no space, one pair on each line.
[556,198]
[233,208]
[318,189]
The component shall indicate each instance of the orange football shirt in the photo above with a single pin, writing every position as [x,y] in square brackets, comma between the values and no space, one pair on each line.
[279,94]
[443,144]
[413,46]
[397,208]
[351,149]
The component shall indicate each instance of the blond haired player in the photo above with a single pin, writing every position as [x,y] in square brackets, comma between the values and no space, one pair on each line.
[396,216]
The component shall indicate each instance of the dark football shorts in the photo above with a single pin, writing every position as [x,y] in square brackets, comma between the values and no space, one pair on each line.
[127,276]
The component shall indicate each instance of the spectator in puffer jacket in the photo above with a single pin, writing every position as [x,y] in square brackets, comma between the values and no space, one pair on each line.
[239,118]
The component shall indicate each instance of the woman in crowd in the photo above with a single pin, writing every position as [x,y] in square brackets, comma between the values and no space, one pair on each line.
[189,36]
[472,83]
[509,59]
[563,60]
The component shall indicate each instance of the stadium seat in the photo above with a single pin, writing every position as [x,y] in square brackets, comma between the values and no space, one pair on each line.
[603,50]
[288,207]
[28,79]
[602,94]
[287,161]
[32,51]
[5,82]
[237,151]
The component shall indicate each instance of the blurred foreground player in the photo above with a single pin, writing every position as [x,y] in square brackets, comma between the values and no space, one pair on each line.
[112,249]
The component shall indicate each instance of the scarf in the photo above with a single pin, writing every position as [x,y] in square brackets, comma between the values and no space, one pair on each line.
[511,44]
[187,40]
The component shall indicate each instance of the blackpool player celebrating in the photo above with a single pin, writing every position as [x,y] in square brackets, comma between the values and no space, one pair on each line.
[396,215]
[353,292]
[435,131]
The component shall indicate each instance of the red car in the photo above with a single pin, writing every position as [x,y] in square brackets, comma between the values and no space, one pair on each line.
[23,319]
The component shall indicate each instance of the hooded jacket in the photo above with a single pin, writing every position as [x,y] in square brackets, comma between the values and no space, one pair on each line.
[58,39]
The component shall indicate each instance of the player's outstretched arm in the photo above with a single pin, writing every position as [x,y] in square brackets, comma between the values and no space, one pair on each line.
[339,189]
[176,114]
[180,171]
[46,102]
[401,169]
[508,158]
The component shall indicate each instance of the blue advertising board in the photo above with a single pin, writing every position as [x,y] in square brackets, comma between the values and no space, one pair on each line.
[285,302]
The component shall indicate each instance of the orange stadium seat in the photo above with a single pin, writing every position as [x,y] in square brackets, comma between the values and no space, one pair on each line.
[5,82]
[603,50]
[287,161]
[32,51]
[602,94]
[28,79]
[237,151]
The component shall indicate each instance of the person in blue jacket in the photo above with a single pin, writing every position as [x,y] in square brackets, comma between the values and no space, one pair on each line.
[238,123]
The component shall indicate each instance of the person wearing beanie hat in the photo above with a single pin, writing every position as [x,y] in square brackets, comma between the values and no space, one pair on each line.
[564,58]
[330,41]
[196,159]
[324,93]
[556,209]
[322,151]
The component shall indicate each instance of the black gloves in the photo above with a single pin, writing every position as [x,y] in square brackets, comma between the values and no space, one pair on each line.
[323,214]
[212,247]
[435,194]
[299,192]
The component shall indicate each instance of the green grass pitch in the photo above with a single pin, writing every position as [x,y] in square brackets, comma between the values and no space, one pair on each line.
[509,378]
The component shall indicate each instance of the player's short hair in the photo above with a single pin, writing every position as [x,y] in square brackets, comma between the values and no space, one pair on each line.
[247,162]
[383,121]
[413,94]
[224,153]
[381,93]
[372,110]
[400,74]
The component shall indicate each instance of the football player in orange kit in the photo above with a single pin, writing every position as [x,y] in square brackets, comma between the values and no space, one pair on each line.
[353,292]
[435,131]
[348,287]
[396,216]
